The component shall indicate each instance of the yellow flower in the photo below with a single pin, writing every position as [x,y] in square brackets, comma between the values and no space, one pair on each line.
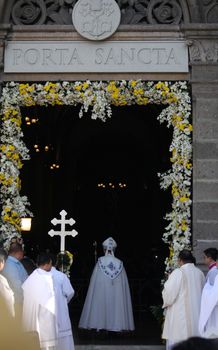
[137,92]
[175,191]
[165,88]
[85,85]
[171,252]
[180,126]
[190,127]
[3,148]
[183,199]
[171,98]
[7,209]
[184,227]
[133,83]
[31,88]
[50,86]
[15,156]
[159,85]
[78,87]
[6,217]
[189,165]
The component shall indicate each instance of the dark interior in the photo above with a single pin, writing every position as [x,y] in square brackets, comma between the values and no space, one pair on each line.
[107,181]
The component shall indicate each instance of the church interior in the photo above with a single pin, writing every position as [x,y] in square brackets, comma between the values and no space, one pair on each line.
[104,175]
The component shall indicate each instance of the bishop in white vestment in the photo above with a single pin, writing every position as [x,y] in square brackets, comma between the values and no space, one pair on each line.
[208,322]
[181,300]
[63,294]
[108,302]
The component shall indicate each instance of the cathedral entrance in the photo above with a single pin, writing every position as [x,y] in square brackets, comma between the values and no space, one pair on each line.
[105,176]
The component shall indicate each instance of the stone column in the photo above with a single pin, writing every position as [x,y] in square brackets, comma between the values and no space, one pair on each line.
[4,29]
[204,81]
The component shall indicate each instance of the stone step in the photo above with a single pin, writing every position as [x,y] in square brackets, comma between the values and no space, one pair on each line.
[120,347]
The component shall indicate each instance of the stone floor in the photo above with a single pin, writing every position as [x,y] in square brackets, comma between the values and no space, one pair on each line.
[147,336]
[119,347]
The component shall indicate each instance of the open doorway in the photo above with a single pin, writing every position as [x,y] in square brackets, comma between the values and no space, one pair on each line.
[105,176]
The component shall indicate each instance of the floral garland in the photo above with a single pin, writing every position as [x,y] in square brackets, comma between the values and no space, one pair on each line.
[99,96]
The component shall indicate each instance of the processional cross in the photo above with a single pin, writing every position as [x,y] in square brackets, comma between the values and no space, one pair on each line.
[63,233]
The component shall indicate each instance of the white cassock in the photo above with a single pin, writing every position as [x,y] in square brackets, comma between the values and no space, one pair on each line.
[211,275]
[208,322]
[63,294]
[39,311]
[7,295]
[108,302]
[181,300]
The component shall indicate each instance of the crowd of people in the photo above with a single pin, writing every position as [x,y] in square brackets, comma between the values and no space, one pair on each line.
[37,297]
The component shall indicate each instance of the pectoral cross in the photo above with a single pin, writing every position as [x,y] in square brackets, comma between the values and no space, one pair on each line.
[63,233]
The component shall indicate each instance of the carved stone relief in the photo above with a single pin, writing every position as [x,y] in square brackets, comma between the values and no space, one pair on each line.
[42,12]
[210,10]
[33,12]
[203,52]
[96,19]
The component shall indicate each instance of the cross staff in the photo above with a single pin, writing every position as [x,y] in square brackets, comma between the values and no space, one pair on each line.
[63,233]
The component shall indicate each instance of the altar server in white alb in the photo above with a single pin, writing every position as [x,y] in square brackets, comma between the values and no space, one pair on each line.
[63,294]
[182,300]
[208,323]
[39,306]
[108,302]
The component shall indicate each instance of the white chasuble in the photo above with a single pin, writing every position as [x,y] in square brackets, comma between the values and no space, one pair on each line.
[181,300]
[108,302]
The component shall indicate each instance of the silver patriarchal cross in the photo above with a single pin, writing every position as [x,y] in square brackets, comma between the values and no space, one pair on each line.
[63,233]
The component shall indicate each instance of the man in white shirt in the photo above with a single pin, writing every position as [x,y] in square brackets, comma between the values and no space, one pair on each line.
[181,300]
[15,274]
[108,302]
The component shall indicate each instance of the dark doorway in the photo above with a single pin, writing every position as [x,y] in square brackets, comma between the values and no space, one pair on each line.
[105,176]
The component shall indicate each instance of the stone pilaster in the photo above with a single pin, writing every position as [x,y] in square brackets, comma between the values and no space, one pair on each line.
[204,82]
[4,29]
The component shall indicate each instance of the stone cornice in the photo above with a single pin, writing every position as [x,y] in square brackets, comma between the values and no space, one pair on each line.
[187,30]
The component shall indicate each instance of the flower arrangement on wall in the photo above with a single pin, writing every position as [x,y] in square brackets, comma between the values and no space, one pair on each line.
[99,97]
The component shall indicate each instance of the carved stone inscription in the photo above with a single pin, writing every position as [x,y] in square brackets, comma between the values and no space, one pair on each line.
[110,56]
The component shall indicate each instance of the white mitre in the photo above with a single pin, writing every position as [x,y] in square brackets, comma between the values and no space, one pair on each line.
[109,265]
[109,245]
